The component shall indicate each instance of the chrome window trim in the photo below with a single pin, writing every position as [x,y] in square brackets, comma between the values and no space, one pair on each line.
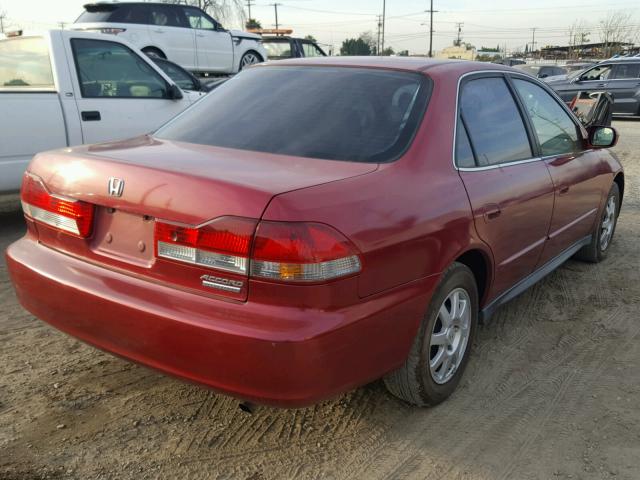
[500,73]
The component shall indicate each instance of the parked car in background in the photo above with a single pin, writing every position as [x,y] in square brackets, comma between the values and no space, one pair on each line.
[183,34]
[620,77]
[541,71]
[360,232]
[65,88]
[281,47]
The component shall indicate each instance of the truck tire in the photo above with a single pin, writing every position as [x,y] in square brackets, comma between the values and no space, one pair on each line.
[153,52]
[603,232]
[249,58]
[441,349]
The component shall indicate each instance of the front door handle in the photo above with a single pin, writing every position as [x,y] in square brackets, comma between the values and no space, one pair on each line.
[563,190]
[491,212]
[601,85]
[92,116]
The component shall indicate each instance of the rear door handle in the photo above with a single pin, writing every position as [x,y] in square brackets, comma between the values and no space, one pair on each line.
[601,85]
[491,212]
[158,31]
[92,116]
[563,190]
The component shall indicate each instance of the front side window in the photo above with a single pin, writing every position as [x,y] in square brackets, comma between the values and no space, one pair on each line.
[598,73]
[310,50]
[556,132]
[25,64]
[198,19]
[179,76]
[110,70]
[493,122]
[626,71]
[352,114]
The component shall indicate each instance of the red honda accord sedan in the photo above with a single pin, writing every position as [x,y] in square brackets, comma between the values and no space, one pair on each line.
[311,226]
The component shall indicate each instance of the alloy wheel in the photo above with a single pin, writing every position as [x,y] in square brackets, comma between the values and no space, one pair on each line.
[450,336]
[249,59]
[608,222]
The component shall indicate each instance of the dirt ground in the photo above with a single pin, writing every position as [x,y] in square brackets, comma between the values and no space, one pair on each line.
[552,392]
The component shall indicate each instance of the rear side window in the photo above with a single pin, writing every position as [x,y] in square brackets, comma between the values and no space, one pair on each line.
[277,49]
[464,152]
[25,64]
[623,71]
[353,114]
[556,132]
[111,70]
[310,50]
[493,122]
[128,13]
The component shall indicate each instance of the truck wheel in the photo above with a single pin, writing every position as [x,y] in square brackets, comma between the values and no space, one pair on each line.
[153,52]
[602,236]
[249,58]
[441,349]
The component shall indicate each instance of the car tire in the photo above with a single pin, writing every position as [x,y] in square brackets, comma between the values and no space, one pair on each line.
[416,382]
[603,232]
[248,59]
[153,52]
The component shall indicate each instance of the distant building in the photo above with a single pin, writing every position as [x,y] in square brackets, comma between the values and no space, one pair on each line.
[463,51]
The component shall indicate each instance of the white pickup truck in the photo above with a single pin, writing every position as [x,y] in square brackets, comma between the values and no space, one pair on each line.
[65,88]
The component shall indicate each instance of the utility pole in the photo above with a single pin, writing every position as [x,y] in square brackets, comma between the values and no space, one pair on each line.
[459,26]
[533,40]
[431,12]
[62,25]
[275,6]
[384,19]
[249,4]
[379,32]
[2,17]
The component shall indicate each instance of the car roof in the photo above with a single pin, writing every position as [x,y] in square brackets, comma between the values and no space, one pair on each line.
[116,3]
[416,64]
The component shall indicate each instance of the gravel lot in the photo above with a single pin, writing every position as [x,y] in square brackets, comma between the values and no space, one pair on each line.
[552,392]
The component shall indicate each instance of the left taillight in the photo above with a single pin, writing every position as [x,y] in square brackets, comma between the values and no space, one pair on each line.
[71,216]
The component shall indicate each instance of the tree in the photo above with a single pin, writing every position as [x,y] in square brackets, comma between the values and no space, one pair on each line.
[225,11]
[615,29]
[253,24]
[311,38]
[387,52]
[578,35]
[363,45]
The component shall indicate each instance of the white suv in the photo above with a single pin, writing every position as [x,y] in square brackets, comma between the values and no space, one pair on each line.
[186,35]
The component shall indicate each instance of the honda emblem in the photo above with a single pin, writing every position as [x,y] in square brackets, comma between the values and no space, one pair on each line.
[116,187]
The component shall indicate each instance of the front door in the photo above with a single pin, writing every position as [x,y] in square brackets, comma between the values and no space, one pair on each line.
[510,190]
[118,94]
[624,85]
[578,187]
[214,47]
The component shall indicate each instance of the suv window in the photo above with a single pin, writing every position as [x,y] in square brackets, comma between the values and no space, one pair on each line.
[556,132]
[626,70]
[165,16]
[277,48]
[598,73]
[129,14]
[310,50]
[333,113]
[25,64]
[494,123]
[109,69]
[197,19]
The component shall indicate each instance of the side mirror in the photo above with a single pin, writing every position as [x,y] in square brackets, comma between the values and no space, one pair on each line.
[544,75]
[174,92]
[602,137]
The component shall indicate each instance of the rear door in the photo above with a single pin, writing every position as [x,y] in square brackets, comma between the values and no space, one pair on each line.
[575,173]
[509,188]
[214,47]
[624,85]
[118,94]
[169,31]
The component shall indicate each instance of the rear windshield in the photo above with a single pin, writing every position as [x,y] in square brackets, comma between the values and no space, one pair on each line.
[25,64]
[334,113]
[96,13]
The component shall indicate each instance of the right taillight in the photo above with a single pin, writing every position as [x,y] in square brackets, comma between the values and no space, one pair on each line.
[302,252]
[280,251]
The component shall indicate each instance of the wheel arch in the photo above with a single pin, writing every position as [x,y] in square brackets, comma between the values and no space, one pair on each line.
[619,180]
[479,262]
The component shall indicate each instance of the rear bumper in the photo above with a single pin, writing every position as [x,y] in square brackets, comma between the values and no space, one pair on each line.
[270,354]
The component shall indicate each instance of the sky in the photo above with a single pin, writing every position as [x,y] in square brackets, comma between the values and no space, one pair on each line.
[486,23]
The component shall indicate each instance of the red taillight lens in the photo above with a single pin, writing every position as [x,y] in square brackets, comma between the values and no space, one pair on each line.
[302,252]
[223,244]
[71,216]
